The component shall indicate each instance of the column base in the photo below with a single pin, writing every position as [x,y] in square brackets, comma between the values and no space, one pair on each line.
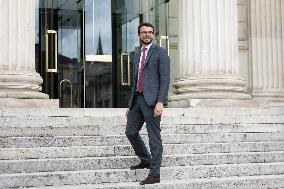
[203,84]
[210,90]
[268,96]
[21,85]
[28,103]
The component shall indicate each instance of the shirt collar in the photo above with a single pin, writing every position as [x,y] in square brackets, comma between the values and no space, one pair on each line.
[147,47]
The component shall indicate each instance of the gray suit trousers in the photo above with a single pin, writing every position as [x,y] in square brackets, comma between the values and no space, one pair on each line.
[139,113]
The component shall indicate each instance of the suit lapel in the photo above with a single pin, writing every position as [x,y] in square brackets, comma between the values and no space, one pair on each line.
[137,60]
[149,54]
[138,54]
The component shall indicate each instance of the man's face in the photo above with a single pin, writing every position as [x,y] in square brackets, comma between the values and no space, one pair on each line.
[146,35]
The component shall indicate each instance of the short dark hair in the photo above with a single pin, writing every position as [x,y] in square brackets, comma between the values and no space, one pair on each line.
[145,24]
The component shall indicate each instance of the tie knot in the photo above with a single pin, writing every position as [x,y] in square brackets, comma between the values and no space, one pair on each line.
[144,49]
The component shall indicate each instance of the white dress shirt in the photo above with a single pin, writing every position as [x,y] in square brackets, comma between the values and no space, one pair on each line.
[141,54]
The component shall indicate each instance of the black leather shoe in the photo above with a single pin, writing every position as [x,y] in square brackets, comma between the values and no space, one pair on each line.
[150,180]
[142,165]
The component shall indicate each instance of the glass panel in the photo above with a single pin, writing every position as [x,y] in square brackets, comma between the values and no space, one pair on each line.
[163,19]
[70,55]
[129,36]
[104,79]
[37,36]
[98,84]
[63,19]
[47,21]
[98,42]
[125,18]
[164,16]
[156,12]
[98,34]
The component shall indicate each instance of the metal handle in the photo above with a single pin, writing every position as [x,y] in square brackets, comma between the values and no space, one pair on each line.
[164,37]
[122,69]
[60,89]
[47,32]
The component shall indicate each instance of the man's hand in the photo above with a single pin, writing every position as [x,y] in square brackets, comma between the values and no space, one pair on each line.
[158,109]
[126,113]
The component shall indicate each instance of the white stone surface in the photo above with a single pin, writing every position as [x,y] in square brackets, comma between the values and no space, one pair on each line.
[57,147]
[30,103]
[267,47]
[60,178]
[251,182]
[18,78]
[209,62]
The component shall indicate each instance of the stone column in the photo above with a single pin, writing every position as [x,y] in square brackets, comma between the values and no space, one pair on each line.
[267,49]
[18,78]
[208,41]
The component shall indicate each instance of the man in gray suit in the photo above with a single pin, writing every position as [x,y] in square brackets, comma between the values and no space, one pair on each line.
[149,95]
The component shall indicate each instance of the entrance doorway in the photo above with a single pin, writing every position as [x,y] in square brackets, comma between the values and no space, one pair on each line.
[86,50]
[125,21]
[61,53]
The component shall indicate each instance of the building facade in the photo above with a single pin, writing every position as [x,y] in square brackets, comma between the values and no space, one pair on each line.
[80,52]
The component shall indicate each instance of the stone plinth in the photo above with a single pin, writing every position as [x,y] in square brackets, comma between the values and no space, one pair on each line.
[18,78]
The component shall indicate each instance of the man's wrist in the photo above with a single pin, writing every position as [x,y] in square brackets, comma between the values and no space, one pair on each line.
[160,103]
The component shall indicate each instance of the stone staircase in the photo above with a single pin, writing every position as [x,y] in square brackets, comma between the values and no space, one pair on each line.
[228,148]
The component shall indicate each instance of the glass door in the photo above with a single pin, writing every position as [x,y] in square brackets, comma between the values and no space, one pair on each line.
[60,51]
[48,47]
[126,19]
[86,50]
[110,41]
[70,59]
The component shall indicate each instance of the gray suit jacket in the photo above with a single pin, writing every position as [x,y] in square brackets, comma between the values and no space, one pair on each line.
[155,76]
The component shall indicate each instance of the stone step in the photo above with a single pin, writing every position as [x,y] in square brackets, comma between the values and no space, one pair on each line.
[124,162]
[126,150]
[200,128]
[40,130]
[126,175]
[93,130]
[107,112]
[243,182]
[121,120]
[64,141]
[223,120]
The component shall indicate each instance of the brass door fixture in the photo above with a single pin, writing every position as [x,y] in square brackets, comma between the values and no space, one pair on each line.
[127,82]
[47,33]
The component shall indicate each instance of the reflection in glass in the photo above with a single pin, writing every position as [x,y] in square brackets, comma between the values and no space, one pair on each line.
[125,17]
[129,35]
[102,29]
[70,58]
[156,12]
[98,84]
[98,23]
[98,42]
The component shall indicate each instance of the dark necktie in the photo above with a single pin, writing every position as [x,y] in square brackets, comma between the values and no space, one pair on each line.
[140,88]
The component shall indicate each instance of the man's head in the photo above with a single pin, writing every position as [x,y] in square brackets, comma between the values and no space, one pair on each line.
[146,33]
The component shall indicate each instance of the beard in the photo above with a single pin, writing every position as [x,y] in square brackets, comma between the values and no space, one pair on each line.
[145,42]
